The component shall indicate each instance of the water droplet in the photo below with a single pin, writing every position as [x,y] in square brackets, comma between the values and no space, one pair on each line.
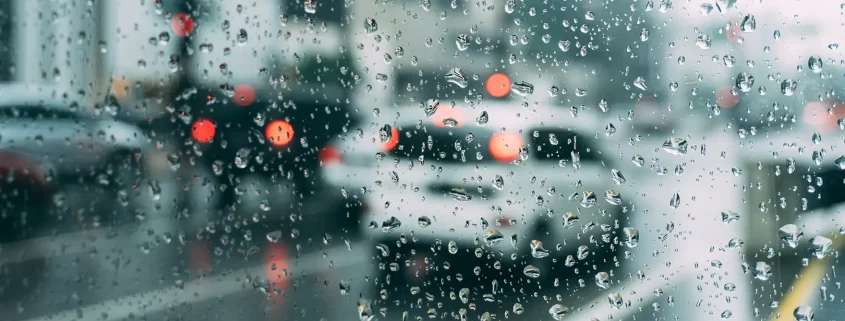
[462,42]
[617,176]
[424,221]
[493,237]
[840,162]
[385,133]
[613,197]
[703,41]
[522,88]
[762,271]
[345,287]
[390,224]
[609,130]
[675,201]
[791,234]
[558,312]
[242,37]
[705,9]
[510,5]
[518,309]
[676,146]
[729,216]
[460,194]
[803,313]
[537,249]
[744,81]
[499,182]
[563,45]
[638,160]
[815,63]
[365,310]
[749,23]
[482,119]
[370,25]
[274,236]
[821,246]
[588,200]
[456,76]
[603,280]
[615,300]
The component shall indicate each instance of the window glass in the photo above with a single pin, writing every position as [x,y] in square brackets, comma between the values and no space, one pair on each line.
[321,160]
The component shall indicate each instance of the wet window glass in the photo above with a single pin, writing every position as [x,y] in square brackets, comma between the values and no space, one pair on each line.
[421,159]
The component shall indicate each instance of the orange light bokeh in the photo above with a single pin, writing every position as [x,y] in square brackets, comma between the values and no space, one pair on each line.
[182,24]
[498,85]
[203,130]
[244,95]
[505,146]
[394,140]
[279,133]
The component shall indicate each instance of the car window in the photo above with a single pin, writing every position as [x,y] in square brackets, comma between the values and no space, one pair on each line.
[444,145]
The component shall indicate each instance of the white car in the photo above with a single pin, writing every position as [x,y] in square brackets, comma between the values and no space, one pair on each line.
[512,178]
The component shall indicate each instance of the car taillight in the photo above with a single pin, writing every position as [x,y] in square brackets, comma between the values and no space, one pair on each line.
[182,24]
[329,156]
[279,133]
[505,146]
[244,95]
[498,85]
[203,130]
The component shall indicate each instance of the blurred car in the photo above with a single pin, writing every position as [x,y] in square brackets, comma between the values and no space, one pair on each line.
[256,104]
[450,189]
[50,146]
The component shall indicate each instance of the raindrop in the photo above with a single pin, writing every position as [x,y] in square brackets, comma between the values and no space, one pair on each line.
[788,86]
[749,23]
[791,234]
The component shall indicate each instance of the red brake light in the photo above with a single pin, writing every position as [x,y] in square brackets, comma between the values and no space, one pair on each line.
[329,156]
[203,130]
[505,146]
[279,133]
[498,85]
[182,24]
[244,95]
